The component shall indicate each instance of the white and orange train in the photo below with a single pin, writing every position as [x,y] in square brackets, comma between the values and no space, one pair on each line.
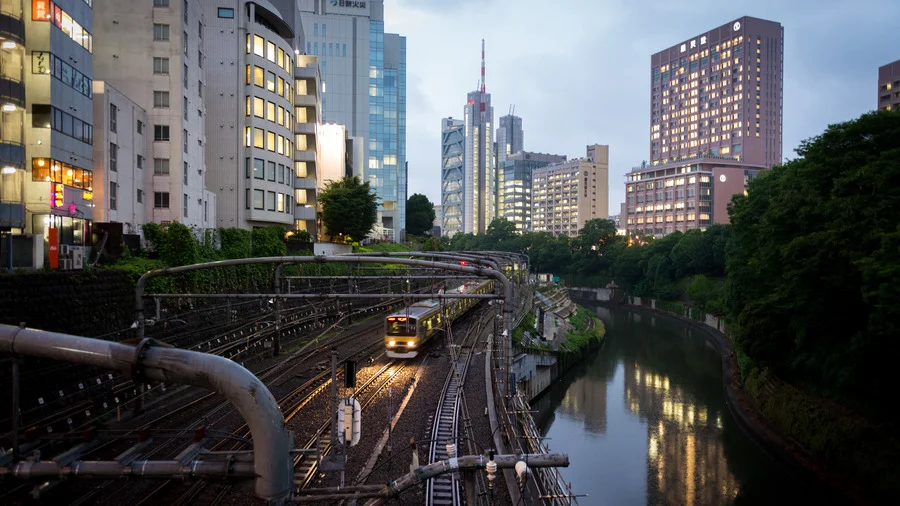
[407,330]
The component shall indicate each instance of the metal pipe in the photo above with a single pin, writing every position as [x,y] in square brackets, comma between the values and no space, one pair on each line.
[271,440]
[493,272]
[416,276]
[467,462]
[432,254]
[15,409]
[106,469]
[327,295]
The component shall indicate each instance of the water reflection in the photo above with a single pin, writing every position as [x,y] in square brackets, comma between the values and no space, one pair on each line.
[685,454]
[644,421]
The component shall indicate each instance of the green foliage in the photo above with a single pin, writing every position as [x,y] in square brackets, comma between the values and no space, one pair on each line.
[301,236]
[433,244]
[153,233]
[349,208]
[178,246]
[419,215]
[706,294]
[587,328]
[814,268]
[268,242]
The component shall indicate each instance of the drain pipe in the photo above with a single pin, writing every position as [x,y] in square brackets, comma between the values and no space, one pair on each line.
[157,362]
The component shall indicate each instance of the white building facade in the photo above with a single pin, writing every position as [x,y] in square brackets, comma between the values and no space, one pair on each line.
[121,154]
[154,53]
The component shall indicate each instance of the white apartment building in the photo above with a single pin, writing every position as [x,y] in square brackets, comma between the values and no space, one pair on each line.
[568,194]
[154,53]
[121,154]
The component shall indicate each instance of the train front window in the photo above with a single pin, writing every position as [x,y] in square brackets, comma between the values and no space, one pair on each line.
[396,327]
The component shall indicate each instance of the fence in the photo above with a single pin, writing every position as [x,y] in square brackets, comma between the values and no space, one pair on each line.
[679,309]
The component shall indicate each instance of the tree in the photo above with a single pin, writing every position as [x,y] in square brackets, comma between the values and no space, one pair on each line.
[813,263]
[499,232]
[419,215]
[349,207]
[433,244]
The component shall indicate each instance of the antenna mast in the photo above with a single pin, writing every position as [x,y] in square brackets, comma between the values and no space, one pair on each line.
[482,65]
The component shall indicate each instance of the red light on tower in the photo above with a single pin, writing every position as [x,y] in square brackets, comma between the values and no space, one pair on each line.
[463,263]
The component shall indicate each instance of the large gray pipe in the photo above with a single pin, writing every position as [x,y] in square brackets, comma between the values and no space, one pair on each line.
[106,469]
[271,439]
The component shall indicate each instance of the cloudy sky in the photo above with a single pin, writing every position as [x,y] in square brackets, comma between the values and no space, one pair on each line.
[578,70]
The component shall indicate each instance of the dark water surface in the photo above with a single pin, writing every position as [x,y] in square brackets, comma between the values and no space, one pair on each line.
[644,421]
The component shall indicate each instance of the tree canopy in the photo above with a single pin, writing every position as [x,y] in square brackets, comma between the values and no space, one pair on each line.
[419,215]
[349,208]
[814,267]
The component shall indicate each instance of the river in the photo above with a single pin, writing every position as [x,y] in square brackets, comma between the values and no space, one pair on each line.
[644,421]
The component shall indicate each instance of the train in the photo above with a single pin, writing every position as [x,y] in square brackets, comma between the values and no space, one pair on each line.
[407,330]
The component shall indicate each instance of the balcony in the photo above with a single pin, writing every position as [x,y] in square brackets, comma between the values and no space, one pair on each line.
[305,100]
[304,212]
[304,155]
[304,183]
[305,128]
[12,27]
[12,215]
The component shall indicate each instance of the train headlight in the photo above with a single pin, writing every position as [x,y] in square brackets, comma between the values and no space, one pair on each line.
[392,343]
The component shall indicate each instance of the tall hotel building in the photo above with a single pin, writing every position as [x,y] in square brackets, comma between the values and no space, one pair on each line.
[46,133]
[889,86]
[453,145]
[364,88]
[566,195]
[715,122]
[154,54]
[515,204]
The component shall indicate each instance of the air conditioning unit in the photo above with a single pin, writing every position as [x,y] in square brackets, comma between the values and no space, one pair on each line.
[65,264]
[77,257]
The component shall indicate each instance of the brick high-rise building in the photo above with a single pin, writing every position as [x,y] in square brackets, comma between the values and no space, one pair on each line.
[889,86]
[715,122]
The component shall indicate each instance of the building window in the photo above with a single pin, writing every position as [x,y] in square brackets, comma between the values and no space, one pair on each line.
[113,157]
[185,140]
[344,50]
[270,171]
[140,162]
[160,66]
[258,168]
[258,196]
[161,99]
[161,133]
[185,76]
[200,89]
[160,3]
[185,11]
[185,42]
[161,200]
[160,32]
[205,210]
[200,30]
[185,205]
[140,127]
[186,167]
[200,58]
[270,201]
[112,196]
[185,108]
[112,117]
[226,13]
[140,196]
[160,166]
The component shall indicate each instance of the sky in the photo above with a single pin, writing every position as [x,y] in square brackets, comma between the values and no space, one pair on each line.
[578,71]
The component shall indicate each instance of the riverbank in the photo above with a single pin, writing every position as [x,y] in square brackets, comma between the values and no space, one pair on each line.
[767,436]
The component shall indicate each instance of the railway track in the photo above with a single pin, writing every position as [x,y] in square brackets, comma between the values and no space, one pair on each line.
[445,441]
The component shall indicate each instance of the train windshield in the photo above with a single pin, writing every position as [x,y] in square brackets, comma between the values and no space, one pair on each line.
[401,326]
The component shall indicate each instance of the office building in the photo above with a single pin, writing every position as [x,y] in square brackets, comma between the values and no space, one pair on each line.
[510,137]
[453,145]
[121,172]
[436,224]
[479,176]
[249,64]
[566,195]
[364,87]
[889,86]
[155,54]
[307,116]
[515,192]
[338,155]
[715,119]
[46,180]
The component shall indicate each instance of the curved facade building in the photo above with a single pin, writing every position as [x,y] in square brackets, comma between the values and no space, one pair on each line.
[250,119]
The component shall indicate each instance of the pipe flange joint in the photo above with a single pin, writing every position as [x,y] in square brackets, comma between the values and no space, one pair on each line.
[137,372]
